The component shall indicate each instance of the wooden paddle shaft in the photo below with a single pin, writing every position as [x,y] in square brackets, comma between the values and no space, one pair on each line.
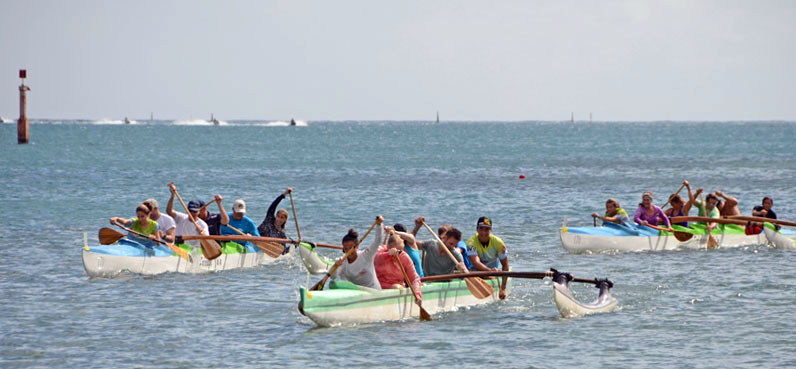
[252,238]
[294,215]
[706,219]
[762,220]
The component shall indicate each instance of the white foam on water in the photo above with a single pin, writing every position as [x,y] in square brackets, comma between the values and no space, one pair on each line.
[199,122]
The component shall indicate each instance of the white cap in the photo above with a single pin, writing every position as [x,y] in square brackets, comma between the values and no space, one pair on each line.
[239,206]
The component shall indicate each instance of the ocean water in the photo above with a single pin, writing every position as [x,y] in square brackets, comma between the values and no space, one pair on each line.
[697,309]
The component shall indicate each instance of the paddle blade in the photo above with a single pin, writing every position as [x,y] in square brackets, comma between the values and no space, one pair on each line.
[682,236]
[210,249]
[712,244]
[480,288]
[424,315]
[180,252]
[108,236]
[271,249]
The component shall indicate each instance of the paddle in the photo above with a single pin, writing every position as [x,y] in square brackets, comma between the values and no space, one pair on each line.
[294,215]
[477,286]
[672,196]
[319,286]
[108,236]
[424,315]
[182,253]
[711,241]
[210,249]
[762,220]
[271,249]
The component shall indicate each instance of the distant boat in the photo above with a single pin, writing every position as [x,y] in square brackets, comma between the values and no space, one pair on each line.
[213,119]
[126,121]
[292,122]
[437,116]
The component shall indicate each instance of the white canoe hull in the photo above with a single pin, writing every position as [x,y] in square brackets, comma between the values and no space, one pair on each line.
[109,266]
[371,306]
[568,307]
[576,243]
[312,261]
[779,240]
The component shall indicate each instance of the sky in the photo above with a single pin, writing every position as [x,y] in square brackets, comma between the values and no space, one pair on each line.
[401,60]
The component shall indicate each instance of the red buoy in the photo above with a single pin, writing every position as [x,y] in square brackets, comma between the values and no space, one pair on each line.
[522,176]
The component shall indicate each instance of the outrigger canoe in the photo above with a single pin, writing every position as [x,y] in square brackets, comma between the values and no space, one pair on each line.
[345,303]
[130,256]
[615,237]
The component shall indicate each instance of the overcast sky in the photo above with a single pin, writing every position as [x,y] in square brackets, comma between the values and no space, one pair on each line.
[401,60]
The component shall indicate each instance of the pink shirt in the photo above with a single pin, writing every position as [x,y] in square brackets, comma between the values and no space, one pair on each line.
[389,273]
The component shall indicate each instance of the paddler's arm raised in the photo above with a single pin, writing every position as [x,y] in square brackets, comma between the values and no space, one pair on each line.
[224,215]
[170,206]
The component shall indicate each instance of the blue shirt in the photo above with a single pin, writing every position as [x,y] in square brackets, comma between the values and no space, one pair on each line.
[463,249]
[415,256]
[245,225]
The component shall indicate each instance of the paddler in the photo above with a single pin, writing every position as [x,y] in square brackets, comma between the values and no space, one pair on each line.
[729,206]
[214,220]
[648,213]
[711,206]
[764,209]
[166,224]
[358,267]
[485,249]
[679,207]
[389,273]
[141,223]
[613,213]
[274,223]
[437,260]
[441,231]
[184,225]
[239,220]
[410,247]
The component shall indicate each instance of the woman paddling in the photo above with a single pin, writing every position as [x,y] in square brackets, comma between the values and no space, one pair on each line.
[679,207]
[650,214]
[274,223]
[141,223]
[613,213]
[389,272]
[358,267]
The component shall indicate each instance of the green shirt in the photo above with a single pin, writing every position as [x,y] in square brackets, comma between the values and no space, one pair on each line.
[151,227]
[490,253]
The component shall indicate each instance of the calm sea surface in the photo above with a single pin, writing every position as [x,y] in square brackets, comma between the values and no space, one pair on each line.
[716,308]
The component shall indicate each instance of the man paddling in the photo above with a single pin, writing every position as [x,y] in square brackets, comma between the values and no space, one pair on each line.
[729,206]
[764,210]
[214,220]
[166,224]
[441,231]
[437,260]
[485,249]
[184,225]
[710,206]
[239,220]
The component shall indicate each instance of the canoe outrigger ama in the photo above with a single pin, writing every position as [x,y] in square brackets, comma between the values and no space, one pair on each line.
[108,261]
[345,303]
[615,237]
